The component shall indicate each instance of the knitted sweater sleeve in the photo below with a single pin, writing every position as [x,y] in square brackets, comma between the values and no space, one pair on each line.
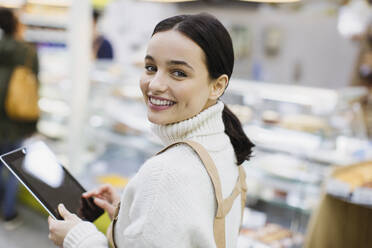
[85,235]
[161,207]
[136,203]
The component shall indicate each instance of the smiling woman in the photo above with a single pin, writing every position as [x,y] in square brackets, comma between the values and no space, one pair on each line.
[175,84]
[192,194]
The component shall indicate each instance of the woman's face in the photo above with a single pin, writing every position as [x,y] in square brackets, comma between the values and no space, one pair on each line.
[175,84]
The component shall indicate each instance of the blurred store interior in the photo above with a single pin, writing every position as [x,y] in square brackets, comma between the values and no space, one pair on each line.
[301,88]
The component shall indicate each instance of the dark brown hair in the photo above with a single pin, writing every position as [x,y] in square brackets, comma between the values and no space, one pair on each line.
[8,21]
[213,38]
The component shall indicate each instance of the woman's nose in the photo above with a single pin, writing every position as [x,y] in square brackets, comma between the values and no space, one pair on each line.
[158,83]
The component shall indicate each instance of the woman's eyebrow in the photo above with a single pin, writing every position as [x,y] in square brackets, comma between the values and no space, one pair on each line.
[179,62]
[172,62]
[149,57]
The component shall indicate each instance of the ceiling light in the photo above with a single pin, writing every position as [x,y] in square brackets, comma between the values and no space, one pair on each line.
[57,3]
[271,1]
[12,3]
[168,1]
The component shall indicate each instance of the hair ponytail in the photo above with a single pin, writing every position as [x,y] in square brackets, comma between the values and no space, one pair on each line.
[239,140]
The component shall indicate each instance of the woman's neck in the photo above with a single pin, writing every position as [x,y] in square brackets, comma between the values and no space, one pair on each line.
[207,122]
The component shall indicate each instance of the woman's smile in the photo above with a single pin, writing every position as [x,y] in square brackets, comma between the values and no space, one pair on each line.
[159,103]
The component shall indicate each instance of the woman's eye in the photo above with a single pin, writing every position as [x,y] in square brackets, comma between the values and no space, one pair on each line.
[179,74]
[150,68]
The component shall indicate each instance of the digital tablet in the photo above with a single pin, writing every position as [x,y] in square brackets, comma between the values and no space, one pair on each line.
[36,167]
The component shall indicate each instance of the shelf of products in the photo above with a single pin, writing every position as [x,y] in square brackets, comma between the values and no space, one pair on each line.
[46,21]
[257,232]
[269,236]
[299,132]
[352,184]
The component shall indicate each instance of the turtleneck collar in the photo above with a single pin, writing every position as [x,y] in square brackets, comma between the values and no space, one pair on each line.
[206,123]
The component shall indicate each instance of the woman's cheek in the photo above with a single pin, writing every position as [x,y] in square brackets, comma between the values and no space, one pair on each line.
[144,85]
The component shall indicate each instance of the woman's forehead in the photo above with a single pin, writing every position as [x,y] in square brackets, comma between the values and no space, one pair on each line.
[173,45]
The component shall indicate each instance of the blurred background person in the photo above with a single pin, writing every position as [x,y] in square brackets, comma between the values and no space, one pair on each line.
[102,48]
[13,52]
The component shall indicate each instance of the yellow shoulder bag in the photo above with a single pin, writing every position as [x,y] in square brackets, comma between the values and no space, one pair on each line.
[21,102]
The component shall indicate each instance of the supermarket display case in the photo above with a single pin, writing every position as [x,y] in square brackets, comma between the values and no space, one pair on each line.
[46,21]
[290,162]
[300,134]
[345,212]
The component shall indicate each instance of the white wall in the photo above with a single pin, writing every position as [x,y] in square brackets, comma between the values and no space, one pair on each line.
[310,37]
[129,24]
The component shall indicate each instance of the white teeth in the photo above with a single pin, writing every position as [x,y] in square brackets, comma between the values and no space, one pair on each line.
[160,102]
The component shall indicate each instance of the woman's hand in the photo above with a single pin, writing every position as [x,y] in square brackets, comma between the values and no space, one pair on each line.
[105,197]
[58,229]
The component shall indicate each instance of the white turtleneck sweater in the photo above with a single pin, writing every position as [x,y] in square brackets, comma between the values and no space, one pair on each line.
[170,202]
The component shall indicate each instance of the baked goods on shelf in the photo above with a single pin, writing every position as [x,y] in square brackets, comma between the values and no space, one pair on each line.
[306,123]
[356,175]
[273,235]
[244,113]
[352,183]
[270,117]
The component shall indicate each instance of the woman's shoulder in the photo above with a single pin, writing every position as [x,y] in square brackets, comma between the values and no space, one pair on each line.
[15,44]
[15,50]
[177,160]
[168,170]
[178,153]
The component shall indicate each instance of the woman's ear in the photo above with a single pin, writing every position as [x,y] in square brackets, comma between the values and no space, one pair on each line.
[218,86]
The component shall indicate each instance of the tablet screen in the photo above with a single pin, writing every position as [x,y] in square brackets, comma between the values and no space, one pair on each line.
[37,168]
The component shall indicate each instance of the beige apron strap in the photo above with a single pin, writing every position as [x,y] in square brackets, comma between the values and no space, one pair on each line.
[238,190]
[219,221]
[109,235]
[111,228]
[243,186]
[223,206]
[209,166]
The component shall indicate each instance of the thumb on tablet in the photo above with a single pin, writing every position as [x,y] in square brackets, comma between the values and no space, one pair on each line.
[65,213]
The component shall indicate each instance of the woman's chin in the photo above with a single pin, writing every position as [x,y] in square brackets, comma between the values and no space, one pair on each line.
[158,121]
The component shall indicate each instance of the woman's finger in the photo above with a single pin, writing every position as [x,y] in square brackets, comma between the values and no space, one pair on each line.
[103,204]
[110,209]
[51,222]
[58,229]
[111,194]
[90,193]
[98,191]
[50,218]
[66,215]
